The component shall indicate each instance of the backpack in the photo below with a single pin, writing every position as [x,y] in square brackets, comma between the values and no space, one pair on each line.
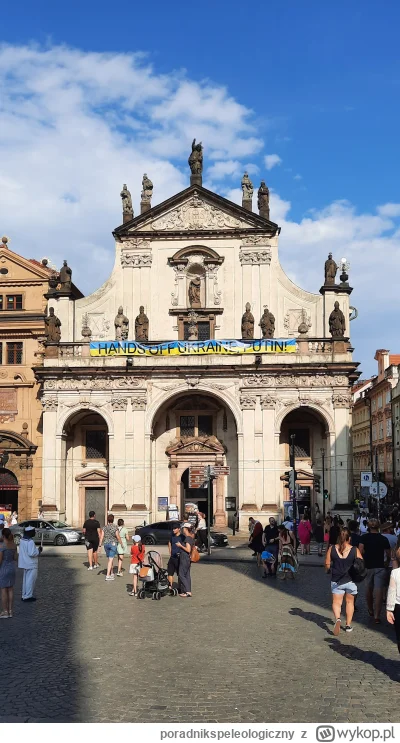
[358,571]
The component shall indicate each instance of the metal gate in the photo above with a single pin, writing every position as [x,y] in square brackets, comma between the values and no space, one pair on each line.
[95,500]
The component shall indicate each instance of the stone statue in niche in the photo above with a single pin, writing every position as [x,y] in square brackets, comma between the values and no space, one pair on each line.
[141,326]
[337,322]
[267,324]
[52,327]
[66,277]
[196,158]
[247,188]
[194,292]
[330,271]
[121,324]
[248,324]
[126,197]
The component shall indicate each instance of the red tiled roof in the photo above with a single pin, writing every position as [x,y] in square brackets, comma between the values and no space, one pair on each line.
[394,359]
[38,263]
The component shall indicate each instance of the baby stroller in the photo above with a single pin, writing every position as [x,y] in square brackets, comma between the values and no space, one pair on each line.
[156,580]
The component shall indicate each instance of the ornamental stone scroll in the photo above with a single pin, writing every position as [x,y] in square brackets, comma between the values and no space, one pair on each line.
[119,404]
[341,400]
[138,403]
[248,403]
[50,404]
[255,257]
[268,402]
[136,260]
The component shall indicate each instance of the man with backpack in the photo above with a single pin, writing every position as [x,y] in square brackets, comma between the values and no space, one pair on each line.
[375,550]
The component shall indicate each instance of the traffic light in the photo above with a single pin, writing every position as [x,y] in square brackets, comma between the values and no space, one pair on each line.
[326,495]
[317,485]
[292,479]
[286,478]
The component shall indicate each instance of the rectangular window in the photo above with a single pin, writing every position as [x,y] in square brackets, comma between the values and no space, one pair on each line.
[14,302]
[187,426]
[374,432]
[388,396]
[388,427]
[302,441]
[381,430]
[205,425]
[373,405]
[203,329]
[14,353]
[380,402]
[96,444]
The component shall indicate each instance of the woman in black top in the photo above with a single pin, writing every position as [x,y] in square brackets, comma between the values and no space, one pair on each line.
[185,545]
[271,544]
[339,560]
[334,531]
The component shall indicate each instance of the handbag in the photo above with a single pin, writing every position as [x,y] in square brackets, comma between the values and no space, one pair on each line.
[194,554]
[358,571]
[144,571]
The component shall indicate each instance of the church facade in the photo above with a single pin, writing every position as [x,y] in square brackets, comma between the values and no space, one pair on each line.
[198,350]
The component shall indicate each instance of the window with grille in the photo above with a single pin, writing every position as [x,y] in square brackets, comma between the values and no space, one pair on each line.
[203,329]
[14,353]
[14,302]
[96,444]
[205,425]
[187,425]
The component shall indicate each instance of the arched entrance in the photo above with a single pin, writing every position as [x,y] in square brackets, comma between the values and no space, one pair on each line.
[84,476]
[194,430]
[312,452]
[8,490]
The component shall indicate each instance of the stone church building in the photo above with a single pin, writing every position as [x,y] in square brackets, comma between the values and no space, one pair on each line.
[198,350]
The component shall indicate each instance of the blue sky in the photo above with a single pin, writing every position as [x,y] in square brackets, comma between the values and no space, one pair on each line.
[315,84]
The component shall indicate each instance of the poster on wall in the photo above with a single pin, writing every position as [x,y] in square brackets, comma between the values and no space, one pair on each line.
[193,348]
[163,504]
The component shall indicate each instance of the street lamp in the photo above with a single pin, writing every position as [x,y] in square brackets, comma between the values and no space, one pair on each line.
[323,483]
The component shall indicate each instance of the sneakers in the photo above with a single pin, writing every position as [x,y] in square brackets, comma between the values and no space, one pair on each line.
[336,629]
[95,567]
[120,575]
[348,628]
[90,568]
[133,593]
[110,577]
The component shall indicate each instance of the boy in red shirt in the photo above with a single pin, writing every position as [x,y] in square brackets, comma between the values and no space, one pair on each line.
[137,558]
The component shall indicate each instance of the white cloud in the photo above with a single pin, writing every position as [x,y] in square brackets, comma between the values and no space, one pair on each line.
[222,168]
[271,161]
[297,177]
[389,210]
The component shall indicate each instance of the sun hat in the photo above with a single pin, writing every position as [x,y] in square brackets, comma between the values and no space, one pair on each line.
[136,538]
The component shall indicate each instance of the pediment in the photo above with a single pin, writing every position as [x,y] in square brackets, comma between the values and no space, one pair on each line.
[22,268]
[16,443]
[211,445]
[196,209]
[93,476]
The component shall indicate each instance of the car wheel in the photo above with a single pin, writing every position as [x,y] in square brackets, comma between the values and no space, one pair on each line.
[148,539]
[60,540]
[17,539]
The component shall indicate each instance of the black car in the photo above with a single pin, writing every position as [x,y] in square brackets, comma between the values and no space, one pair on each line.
[160,533]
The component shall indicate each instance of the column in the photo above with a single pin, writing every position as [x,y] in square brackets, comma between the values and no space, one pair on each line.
[342,459]
[51,453]
[270,492]
[248,405]
[120,491]
[139,455]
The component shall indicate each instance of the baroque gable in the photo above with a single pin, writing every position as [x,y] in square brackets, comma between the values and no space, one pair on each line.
[210,445]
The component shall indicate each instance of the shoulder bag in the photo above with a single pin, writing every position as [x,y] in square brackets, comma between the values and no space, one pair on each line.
[194,554]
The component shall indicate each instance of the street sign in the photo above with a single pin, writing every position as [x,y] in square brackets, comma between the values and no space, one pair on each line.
[197,476]
[366,479]
[220,471]
[382,490]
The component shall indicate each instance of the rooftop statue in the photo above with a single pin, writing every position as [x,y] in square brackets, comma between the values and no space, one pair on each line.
[330,271]
[196,158]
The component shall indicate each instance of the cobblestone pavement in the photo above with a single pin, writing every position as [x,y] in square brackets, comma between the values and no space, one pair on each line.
[242,650]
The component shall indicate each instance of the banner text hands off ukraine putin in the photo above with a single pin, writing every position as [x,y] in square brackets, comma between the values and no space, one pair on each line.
[192,348]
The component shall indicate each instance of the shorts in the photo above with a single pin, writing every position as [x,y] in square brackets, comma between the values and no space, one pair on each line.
[344,588]
[134,568]
[110,550]
[376,578]
[92,545]
[173,566]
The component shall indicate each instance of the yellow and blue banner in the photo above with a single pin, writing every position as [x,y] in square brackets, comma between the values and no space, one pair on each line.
[192,348]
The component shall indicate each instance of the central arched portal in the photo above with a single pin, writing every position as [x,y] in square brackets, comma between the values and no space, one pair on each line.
[194,430]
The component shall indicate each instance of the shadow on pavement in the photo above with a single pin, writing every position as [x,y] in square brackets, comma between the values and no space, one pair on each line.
[311,616]
[44,674]
[389,667]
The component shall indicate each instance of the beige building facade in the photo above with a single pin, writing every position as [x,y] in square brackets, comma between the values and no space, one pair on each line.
[124,431]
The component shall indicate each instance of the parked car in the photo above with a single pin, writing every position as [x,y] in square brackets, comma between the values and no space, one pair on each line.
[53,532]
[160,533]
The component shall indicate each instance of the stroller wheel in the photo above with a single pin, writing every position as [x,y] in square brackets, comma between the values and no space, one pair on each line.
[174,592]
[142,594]
[154,596]
[157,595]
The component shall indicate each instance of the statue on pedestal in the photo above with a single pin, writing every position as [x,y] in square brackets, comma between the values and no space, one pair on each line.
[127,207]
[337,322]
[247,188]
[147,189]
[330,271]
[248,324]
[141,326]
[121,324]
[194,292]
[263,200]
[52,327]
[267,324]
[196,158]
[66,277]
